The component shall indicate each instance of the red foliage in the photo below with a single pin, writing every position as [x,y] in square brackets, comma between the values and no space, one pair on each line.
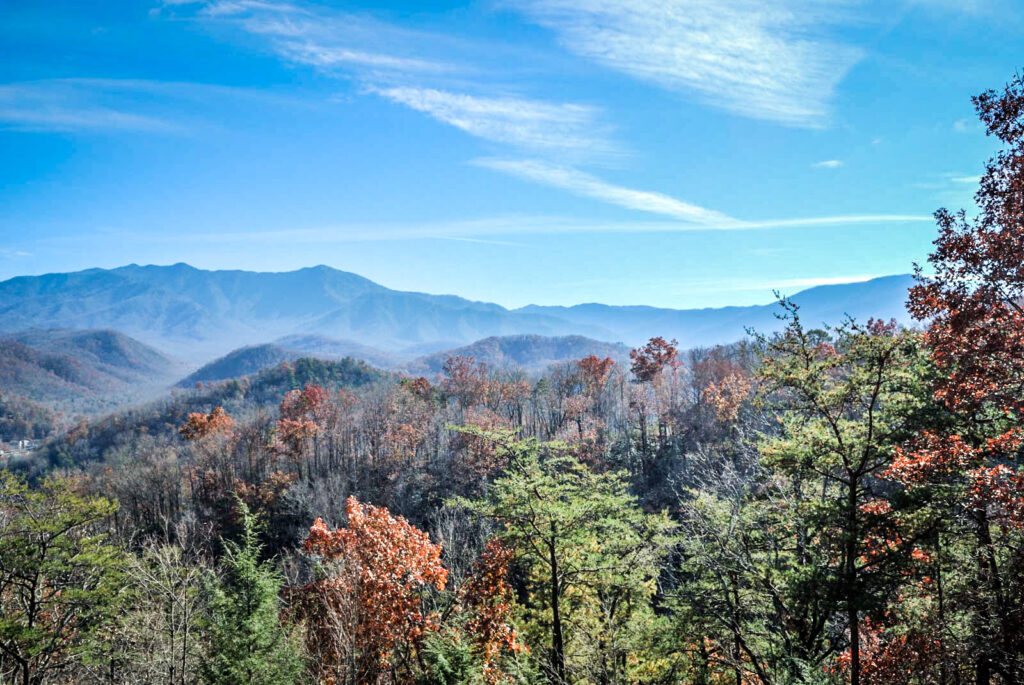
[996,489]
[594,372]
[200,425]
[304,415]
[976,323]
[465,379]
[892,659]
[489,598]
[264,496]
[649,360]
[973,303]
[420,387]
[383,563]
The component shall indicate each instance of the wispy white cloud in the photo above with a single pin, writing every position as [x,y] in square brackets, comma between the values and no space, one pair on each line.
[972,180]
[105,104]
[318,55]
[701,218]
[389,61]
[481,241]
[53,106]
[323,38]
[841,220]
[529,124]
[772,61]
[811,282]
[503,229]
[581,183]
[231,7]
[828,164]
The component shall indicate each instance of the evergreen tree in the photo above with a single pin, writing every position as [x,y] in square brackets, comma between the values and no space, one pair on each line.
[247,641]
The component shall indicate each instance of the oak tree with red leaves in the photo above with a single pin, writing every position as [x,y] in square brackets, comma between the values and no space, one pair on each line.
[594,372]
[364,615]
[649,361]
[465,379]
[491,601]
[199,425]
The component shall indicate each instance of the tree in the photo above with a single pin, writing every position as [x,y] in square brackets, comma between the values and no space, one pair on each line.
[364,614]
[247,642]
[465,379]
[59,578]
[491,601]
[199,425]
[974,308]
[594,372]
[847,400]
[648,361]
[592,558]
[157,638]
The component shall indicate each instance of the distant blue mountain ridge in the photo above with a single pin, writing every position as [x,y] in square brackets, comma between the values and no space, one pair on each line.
[196,315]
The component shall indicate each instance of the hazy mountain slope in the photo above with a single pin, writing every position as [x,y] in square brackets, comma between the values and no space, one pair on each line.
[241,362]
[259,392]
[23,419]
[880,298]
[329,348]
[396,320]
[529,352]
[113,352]
[62,366]
[198,315]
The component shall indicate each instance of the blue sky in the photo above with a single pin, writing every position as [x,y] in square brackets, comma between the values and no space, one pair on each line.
[683,153]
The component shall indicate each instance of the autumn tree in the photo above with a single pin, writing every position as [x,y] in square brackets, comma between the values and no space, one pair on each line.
[974,308]
[199,425]
[490,602]
[364,612]
[655,369]
[651,359]
[210,437]
[465,380]
[304,415]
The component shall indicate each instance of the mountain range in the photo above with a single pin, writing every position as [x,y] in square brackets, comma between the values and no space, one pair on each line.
[90,369]
[197,315]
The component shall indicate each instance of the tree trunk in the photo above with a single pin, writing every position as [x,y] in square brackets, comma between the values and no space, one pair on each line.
[557,641]
[851,586]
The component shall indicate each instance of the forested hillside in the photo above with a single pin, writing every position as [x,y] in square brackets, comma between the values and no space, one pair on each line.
[240,362]
[532,353]
[82,371]
[810,505]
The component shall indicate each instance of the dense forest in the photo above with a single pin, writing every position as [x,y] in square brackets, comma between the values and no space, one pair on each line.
[839,505]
